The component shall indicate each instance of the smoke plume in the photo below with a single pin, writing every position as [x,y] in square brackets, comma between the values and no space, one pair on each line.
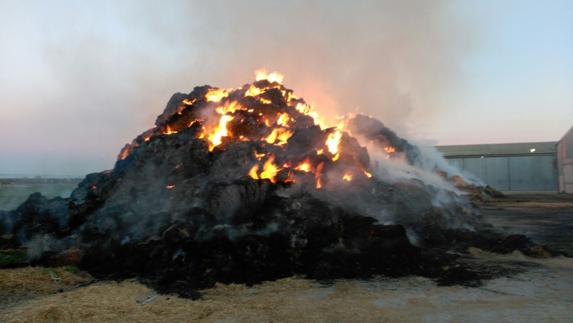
[94,74]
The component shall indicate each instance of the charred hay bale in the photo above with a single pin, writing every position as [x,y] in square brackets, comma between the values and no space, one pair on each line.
[39,215]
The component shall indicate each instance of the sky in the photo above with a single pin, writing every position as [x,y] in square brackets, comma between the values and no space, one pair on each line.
[80,79]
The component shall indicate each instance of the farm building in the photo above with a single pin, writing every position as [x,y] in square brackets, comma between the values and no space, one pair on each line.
[565,162]
[531,166]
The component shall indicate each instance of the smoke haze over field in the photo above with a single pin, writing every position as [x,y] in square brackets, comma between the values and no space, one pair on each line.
[80,79]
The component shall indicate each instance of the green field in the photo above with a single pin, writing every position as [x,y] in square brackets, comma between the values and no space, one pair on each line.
[14,193]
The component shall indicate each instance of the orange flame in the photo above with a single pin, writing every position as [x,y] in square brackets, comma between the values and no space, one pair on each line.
[216,95]
[279,136]
[221,131]
[333,141]
[319,175]
[270,170]
[307,110]
[283,120]
[254,172]
[253,91]
[279,123]
[169,131]
[188,102]
[305,166]
[271,77]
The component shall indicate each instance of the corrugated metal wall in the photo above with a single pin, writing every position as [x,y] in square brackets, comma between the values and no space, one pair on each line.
[513,173]
[565,158]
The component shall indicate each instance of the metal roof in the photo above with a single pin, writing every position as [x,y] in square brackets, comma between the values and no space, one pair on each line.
[522,148]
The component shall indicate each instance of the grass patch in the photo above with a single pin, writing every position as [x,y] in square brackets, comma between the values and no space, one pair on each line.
[12,257]
[71,269]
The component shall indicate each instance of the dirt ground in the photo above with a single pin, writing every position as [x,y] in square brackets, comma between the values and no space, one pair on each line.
[545,218]
[541,292]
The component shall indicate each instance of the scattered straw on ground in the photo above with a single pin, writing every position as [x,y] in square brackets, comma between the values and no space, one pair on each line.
[285,300]
[39,280]
[542,294]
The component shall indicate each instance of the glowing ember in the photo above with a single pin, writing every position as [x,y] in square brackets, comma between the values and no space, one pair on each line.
[169,131]
[124,152]
[389,149]
[319,175]
[188,101]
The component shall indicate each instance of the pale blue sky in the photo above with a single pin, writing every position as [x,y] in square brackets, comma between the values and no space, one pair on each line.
[80,79]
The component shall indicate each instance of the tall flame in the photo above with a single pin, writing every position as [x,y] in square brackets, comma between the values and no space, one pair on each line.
[333,140]
[220,131]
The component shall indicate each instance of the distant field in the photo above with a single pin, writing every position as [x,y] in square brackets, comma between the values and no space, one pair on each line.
[15,191]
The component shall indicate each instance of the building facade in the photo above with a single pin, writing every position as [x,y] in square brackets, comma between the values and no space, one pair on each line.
[565,162]
[510,167]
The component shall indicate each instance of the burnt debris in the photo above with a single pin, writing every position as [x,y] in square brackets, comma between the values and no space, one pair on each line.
[246,185]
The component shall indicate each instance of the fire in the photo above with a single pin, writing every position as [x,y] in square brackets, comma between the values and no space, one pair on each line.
[279,136]
[169,131]
[305,166]
[307,110]
[231,107]
[271,77]
[188,101]
[333,140]
[283,119]
[253,91]
[124,152]
[319,175]
[216,95]
[253,173]
[270,170]
[221,131]
[245,114]
[389,149]
[170,186]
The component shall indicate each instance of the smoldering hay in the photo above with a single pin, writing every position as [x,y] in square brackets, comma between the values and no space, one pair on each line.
[248,184]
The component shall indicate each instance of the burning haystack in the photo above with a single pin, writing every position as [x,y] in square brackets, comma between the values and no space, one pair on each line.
[245,185]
